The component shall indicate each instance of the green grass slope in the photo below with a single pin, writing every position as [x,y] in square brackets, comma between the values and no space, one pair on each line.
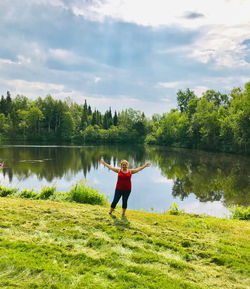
[46,244]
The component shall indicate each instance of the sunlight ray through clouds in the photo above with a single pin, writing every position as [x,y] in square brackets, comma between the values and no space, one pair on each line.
[129,52]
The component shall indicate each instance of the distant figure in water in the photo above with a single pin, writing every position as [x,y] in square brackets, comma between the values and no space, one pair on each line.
[123,186]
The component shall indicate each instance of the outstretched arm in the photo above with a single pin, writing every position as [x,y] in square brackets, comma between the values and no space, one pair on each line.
[134,171]
[116,170]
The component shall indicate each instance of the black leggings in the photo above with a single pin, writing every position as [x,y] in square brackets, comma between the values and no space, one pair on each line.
[118,195]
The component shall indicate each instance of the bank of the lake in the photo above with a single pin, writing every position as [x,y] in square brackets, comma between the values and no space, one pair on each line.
[48,244]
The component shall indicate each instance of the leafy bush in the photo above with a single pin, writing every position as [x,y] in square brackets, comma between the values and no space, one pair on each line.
[28,194]
[81,193]
[46,192]
[60,196]
[240,213]
[174,210]
[4,192]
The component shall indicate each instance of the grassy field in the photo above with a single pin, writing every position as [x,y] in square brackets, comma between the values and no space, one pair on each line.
[46,244]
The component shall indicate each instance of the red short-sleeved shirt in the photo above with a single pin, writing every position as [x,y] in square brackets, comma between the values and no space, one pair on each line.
[124,181]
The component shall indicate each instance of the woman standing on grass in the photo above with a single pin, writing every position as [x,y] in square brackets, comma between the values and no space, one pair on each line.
[123,186]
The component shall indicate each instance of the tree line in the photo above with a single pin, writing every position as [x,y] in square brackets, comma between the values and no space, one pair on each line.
[215,121]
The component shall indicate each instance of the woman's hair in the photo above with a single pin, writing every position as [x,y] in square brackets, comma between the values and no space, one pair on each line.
[123,161]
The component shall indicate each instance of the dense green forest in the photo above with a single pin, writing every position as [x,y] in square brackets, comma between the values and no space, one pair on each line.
[215,121]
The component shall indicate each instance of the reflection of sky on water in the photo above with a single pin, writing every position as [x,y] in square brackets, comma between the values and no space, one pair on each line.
[215,208]
[150,190]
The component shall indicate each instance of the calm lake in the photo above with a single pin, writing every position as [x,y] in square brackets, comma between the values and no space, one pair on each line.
[199,182]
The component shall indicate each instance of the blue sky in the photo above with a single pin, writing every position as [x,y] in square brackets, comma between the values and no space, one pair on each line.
[123,53]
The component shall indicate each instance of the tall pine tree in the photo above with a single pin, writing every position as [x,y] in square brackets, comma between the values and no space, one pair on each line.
[115,120]
[84,116]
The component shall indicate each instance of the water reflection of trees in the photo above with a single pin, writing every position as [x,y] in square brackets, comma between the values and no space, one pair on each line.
[209,176]
[50,162]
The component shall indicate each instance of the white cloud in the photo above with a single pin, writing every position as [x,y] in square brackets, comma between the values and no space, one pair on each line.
[218,83]
[222,84]
[23,60]
[32,89]
[20,60]
[6,61]
[167,12]
[199,90]
[97,79]
[41,65]
[170,84]
[222,45]
[65,56]
[61,54]
[225,24]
